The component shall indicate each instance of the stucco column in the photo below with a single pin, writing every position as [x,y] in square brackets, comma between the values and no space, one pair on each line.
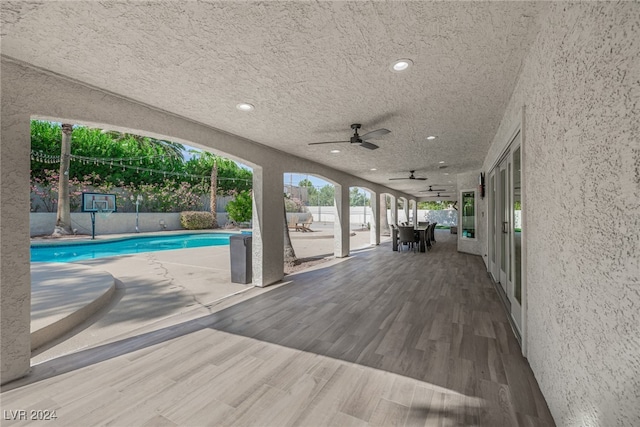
[375,219]
[341,223]
[268,226]
[405,207]
[394,210]
[15,276]
[415,212]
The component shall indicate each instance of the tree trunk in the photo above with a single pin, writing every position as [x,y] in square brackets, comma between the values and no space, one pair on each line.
[290,258]
[214,191]
[384,222]
[63,219]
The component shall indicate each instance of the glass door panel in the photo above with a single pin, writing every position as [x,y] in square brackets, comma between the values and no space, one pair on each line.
[492,226]
[505,228]
[503,246]
[516,238]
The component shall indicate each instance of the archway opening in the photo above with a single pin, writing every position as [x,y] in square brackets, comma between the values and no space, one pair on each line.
[155,180]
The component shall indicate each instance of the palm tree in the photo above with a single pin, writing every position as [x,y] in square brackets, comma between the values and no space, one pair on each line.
[170,148]
[213,190]
[63,218]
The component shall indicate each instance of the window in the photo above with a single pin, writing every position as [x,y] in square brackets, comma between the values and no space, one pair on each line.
[468,214]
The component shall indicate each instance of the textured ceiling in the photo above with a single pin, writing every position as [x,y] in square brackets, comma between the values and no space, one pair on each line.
[310,68]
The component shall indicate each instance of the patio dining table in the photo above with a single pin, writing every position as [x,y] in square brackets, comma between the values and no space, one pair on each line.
[420,230]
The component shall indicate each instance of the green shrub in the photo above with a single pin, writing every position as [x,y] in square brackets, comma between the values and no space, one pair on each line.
[191,220]
[240,208]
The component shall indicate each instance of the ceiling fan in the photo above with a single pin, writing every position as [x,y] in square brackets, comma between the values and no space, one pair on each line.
[361,140]
[431,190]
[440,196]
[411,176]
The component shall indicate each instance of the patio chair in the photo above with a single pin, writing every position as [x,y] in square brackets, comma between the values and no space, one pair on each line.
[432,234]
[407,236]
[293,223]
[305,225]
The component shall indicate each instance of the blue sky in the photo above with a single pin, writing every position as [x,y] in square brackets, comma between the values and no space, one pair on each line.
[295,178]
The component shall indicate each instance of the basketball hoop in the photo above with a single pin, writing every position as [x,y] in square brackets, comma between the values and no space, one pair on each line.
[104,213]
[102,204]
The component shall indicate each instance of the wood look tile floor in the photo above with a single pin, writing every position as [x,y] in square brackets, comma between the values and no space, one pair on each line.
[382,338]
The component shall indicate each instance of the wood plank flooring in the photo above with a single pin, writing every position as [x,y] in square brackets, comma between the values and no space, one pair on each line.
[382,338]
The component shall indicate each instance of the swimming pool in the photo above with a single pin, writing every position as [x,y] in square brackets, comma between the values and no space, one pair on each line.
[69,252]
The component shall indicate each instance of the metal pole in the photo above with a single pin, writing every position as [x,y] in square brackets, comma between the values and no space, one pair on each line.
[137,203]
[93,225]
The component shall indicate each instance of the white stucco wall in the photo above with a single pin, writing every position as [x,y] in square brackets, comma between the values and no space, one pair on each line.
[43,223]
[580,86]
[31,93]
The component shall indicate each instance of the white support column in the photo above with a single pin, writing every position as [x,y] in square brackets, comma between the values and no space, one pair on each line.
[375,219]
[268,227]
[415,213]
[394,210]
[341,223]
[15,275]
[406,209]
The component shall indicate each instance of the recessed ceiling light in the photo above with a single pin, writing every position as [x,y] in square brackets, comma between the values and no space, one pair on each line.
[401,65]
[373,169]
[446,173]
[243,106]
[441,161]
[335,151]
[431,137]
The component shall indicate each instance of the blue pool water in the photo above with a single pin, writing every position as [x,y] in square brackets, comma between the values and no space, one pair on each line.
[70,252]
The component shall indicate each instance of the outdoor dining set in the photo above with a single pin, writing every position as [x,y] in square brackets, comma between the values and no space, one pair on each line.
[420,237]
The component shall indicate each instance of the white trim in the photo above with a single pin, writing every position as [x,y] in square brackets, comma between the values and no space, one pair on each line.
[523,237]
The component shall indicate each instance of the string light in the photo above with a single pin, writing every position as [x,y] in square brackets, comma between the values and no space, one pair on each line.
[41,157]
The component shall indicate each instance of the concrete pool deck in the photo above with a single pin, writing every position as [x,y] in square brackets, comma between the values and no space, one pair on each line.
[149,288]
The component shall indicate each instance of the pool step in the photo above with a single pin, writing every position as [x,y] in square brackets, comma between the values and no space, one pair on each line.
[63,296]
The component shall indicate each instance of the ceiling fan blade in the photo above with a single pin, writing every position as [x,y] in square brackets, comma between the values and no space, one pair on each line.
[327,142]
[419,179]
[368,145]
[375,134]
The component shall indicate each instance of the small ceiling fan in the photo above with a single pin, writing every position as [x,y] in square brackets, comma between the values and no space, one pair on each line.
[411,176]
[440,196]
[361,140]
[431,190]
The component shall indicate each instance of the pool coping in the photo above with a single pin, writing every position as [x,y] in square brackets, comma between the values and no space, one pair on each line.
[121,237]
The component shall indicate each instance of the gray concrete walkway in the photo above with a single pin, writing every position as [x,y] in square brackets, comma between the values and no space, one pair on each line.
[152,287]
[63,296]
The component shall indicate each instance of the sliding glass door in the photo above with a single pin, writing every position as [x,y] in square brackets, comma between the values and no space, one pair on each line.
[505,228]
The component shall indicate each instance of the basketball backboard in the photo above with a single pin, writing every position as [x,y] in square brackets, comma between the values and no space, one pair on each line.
[98,202]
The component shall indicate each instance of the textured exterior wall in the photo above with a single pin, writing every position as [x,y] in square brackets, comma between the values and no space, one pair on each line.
[469,181]
[580,86]
[15,277]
